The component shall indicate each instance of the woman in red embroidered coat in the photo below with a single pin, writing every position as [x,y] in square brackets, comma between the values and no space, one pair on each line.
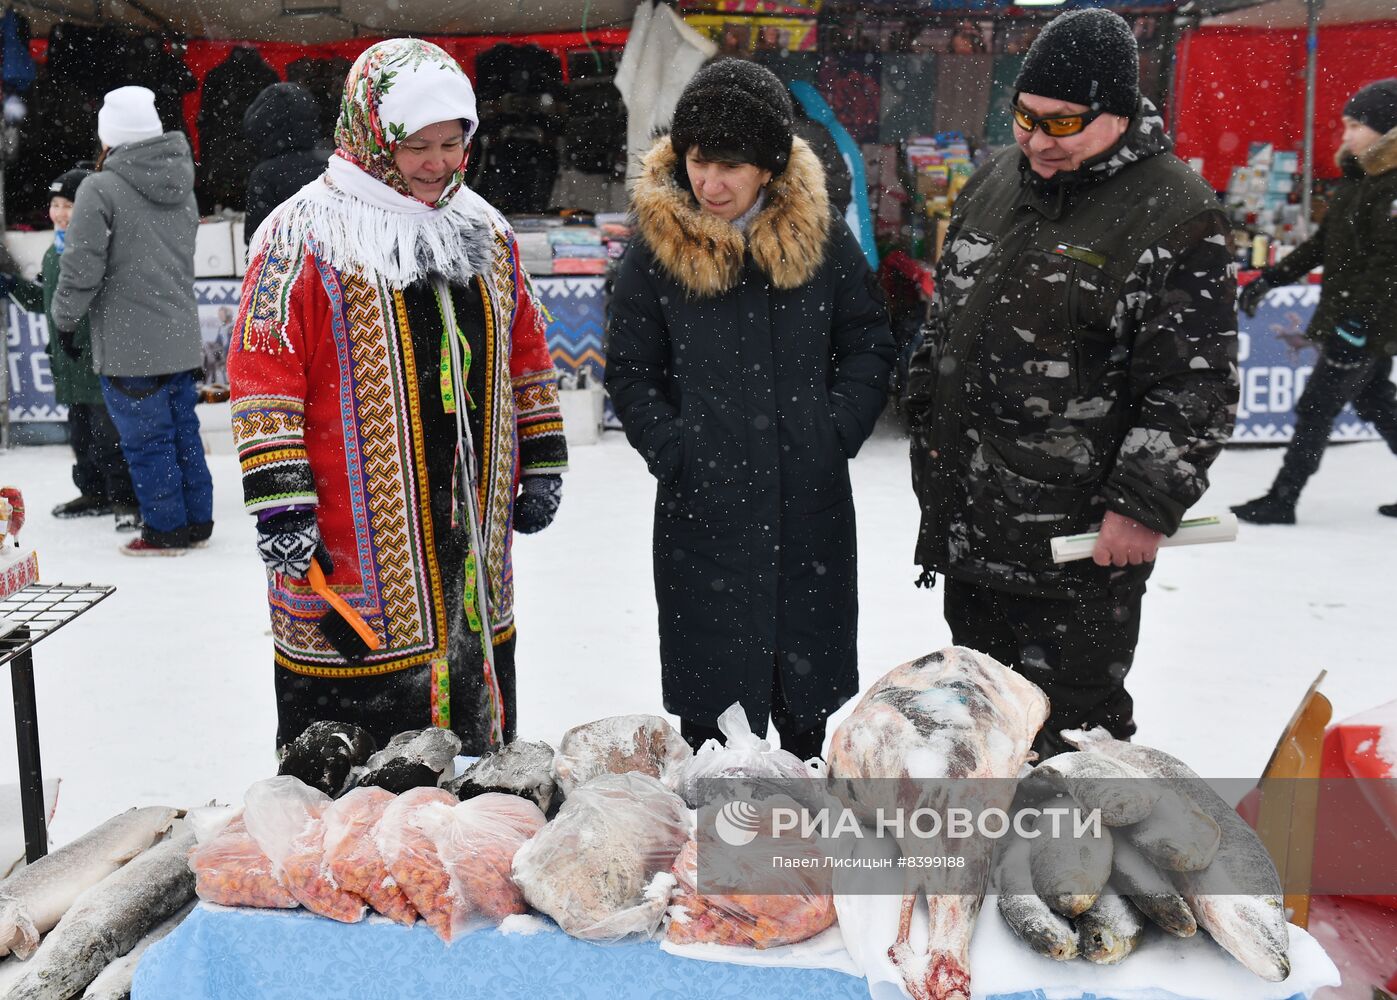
[388,352]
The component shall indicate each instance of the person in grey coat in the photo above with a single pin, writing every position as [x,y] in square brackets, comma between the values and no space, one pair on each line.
[129,267]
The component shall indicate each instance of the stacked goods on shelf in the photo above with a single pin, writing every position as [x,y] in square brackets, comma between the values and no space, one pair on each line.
[615,232]
[554,245]
[578,250]
[937,167]
[1261,201]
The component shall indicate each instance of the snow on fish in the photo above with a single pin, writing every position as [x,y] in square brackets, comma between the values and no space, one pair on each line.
[1035,923]
[34,898]
[114,982]
[109,920]
[1237,899]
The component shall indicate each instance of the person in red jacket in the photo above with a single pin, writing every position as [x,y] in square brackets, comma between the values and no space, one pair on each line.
[396,414]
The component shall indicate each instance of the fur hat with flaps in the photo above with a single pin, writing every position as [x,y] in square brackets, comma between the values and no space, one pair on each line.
[734,108]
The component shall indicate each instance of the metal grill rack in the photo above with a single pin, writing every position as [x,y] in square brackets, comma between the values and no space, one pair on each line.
[27,617]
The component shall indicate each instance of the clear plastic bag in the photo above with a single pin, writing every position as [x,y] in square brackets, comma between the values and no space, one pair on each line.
[518,768]
[601,868]
[622,744]
[352,856]
[286,816]
[414,759]
[232,870]
[748,921]
[477,847]
[407,840]
[747,757]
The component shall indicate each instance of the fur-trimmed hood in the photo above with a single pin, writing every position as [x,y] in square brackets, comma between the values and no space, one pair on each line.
[1381,157]
[788,238]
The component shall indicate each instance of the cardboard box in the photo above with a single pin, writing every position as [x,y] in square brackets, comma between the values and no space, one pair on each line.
[18,568]
[213,250]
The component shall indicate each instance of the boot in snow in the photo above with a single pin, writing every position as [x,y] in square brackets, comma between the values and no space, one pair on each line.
[199,535]
[1270,509]
[158,543]
[83,506]
[1388,510]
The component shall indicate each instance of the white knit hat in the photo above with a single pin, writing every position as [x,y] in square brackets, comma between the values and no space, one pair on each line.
[128,115]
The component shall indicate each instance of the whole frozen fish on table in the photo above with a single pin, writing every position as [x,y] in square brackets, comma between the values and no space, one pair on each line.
[1237,899]
[1120,793]
[955,714]
[1151,892]
[1177,835]
[114,982]
[1032,920]
[109,920]
[1110,930]
[33,899]
[1070,861]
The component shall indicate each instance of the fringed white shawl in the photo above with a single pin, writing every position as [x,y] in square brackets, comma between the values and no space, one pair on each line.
[355,222]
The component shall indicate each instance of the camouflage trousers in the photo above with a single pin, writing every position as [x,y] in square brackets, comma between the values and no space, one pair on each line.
[1078,650]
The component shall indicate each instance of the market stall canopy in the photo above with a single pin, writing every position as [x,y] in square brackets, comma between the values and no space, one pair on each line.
[1292,14]
[313,21]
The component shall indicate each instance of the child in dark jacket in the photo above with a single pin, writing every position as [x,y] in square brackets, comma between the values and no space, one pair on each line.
[99,469]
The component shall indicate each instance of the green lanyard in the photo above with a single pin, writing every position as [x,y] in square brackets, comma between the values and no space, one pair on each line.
[448,391]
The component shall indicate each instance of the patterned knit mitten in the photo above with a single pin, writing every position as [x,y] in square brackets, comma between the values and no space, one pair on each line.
[537,503]
[288,541]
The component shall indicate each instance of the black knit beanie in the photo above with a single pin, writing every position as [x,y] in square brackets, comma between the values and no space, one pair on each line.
[1375,106]
[1087,57]
[738,109]
[66,185]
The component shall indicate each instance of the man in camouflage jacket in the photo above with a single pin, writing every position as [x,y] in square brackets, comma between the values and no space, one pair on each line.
[1079,370]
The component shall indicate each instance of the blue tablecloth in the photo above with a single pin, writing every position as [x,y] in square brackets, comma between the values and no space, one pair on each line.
[221,954]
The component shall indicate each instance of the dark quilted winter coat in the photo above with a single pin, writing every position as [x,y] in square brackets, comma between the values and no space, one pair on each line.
[1080,356]
[747,372]
[1357,247]
[284,121]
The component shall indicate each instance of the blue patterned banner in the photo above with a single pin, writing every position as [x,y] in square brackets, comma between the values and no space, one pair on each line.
[1275,360]
[578,308]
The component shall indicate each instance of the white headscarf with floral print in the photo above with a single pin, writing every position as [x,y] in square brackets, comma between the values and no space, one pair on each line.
[395,88]
[360,214]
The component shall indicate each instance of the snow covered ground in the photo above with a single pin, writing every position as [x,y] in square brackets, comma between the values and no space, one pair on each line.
[163,694]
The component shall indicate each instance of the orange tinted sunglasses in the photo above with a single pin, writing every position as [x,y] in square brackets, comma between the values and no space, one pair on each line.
[1058,126]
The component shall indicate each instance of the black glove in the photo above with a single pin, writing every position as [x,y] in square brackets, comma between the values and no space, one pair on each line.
[288,541]
[537,503]
[1252,295]
[68,340]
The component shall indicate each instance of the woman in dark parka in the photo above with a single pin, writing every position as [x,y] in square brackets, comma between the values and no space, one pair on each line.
[748,357]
